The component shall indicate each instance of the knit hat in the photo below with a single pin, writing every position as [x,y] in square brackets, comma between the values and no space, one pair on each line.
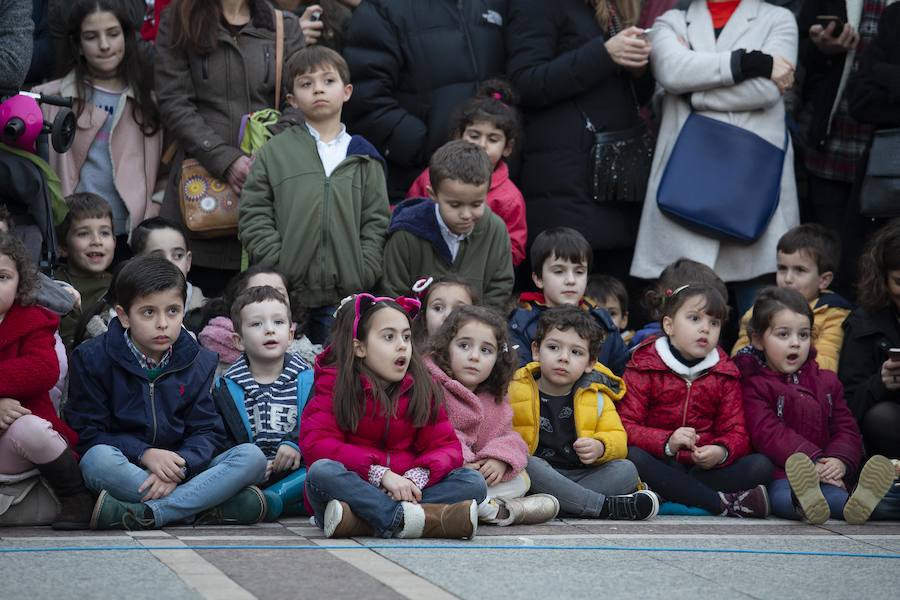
[218,337]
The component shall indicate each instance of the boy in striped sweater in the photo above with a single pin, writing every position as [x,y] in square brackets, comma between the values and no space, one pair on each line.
[262,395]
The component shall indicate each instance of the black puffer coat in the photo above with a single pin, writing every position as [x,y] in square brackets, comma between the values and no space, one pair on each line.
[560,67]
[867,339]
[412,63]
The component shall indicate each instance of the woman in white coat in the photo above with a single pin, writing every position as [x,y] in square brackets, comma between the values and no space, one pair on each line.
[728,61]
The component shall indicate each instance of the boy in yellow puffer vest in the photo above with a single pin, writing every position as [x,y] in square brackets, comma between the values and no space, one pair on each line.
[563,408]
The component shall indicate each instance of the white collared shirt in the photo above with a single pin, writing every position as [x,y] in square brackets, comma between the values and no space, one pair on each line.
[334,152]
[451,238]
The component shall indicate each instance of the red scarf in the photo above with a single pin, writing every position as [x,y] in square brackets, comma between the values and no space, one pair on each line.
[722,11]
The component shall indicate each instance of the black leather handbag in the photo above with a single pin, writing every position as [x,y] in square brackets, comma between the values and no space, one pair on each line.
[880,194]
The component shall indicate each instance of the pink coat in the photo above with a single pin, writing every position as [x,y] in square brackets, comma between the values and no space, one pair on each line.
[804,412]
[505,200]
[135,156]
[483,426]
[390,441]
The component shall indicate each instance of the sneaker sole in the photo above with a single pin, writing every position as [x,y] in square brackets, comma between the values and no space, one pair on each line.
[263,504]
[334,512]
[95,514]
[655,500]
[804,481]
[875,480]
[473,518]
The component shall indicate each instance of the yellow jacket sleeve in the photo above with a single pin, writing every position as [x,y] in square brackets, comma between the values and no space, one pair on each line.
[610,431]
[743,338]
[829,337]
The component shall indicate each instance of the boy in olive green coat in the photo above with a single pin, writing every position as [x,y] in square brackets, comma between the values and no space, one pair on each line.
[452,232]
[315,203]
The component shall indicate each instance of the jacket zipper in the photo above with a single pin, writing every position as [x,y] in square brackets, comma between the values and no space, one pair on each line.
[687,402]
[322,259]
[465,29]
[387,430]
[830,405]
[780,407]
[204,67]
[266,58]
[153,409]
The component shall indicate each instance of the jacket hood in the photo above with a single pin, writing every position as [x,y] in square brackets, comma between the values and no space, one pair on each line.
[600,379]
[359,146]
[23,320]
[752,362]
[535,302]
[417,216]
[829,299]
[654,354]
[452,386]
[184,350]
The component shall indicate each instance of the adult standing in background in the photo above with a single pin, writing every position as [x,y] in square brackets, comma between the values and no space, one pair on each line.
[16,31]
[322,22]
[215,62]
[412,63]
[577,65]
[731,62]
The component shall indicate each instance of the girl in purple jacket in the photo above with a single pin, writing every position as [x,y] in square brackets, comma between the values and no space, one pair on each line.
[796,415]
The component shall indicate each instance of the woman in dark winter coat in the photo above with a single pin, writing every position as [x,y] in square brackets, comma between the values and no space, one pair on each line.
[871,378]
[577,64]
[215,62]
[875,88]
[412,63]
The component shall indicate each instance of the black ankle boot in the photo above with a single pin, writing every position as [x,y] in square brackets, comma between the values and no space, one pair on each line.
[76,501]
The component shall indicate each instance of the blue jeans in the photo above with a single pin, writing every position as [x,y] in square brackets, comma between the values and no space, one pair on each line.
[319,324]
[782,505]
[106,468]
[330,480]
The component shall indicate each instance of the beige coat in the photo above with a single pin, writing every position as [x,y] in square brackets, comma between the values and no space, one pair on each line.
[135,156]
[704,72]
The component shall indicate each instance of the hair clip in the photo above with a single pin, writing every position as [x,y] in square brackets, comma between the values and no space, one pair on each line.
[341,305]
[676,291]
[504,348]
[421,286]
[363,301]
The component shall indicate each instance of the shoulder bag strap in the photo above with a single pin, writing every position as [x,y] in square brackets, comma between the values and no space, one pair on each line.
[279,55]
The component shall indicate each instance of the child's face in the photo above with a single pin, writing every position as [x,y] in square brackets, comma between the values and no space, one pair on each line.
[90,245]
[691,330]
[461,204]
[893,287]
[564,358]
[798,271]
[441,302]
[616,312]
[320,94]
[9,284]
[562,281]
[270,279]
[173,247]
[102,44]
[489,137]
[473,354]
[266,331]
[154,321]
[387,349]
[786,342]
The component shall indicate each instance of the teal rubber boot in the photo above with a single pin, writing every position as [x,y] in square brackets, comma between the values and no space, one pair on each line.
[283,496]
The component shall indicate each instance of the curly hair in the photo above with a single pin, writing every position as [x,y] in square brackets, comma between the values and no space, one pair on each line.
[507,360]
[12,247]
[881,256]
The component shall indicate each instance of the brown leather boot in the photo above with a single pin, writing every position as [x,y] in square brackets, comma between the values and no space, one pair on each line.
[76,501]
[340,522]
[454,521]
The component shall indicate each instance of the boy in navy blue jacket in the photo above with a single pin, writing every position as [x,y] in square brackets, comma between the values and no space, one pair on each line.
[261,396]
[149,435]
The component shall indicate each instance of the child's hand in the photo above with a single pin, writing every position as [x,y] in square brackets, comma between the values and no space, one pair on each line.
[10,410]
[831,468]
[400,488]
[707,457]
[683,438]
[493,470]
[588,450]
[286,458]
[476,466]
[156,488]
[165,464]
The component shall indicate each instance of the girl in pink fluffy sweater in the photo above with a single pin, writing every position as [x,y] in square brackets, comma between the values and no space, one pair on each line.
[472,362]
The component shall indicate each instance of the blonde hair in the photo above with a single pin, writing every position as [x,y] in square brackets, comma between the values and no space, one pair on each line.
[627,11]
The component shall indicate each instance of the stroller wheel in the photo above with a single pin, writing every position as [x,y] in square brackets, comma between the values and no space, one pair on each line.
[62,132]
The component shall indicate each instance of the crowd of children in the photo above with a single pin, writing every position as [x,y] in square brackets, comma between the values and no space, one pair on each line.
[424,411]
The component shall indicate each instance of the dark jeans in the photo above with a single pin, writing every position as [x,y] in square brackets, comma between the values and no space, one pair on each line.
[694,486]
[329,480]
[319,324]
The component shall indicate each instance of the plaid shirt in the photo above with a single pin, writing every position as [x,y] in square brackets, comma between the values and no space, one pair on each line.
[147,363]
[840,159]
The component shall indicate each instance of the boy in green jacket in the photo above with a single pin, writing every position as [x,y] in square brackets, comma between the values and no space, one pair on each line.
[315,202]
[452,232]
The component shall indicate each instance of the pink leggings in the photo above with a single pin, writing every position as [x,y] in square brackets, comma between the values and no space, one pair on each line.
[29,441]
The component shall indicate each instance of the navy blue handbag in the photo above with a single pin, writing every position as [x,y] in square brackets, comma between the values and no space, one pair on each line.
[722,179]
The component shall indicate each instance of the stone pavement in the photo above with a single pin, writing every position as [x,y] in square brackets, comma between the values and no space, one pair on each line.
[668,558]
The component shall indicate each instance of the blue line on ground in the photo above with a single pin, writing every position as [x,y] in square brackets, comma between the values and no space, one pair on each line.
[451,547]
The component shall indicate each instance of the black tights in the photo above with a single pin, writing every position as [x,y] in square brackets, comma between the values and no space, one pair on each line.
[881,429]
[694,486]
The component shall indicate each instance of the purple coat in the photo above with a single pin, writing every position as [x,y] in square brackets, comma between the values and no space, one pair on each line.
[803,412]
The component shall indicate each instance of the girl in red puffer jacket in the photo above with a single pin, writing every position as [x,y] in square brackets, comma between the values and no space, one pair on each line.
[683,415]
[384,458]
[797,416]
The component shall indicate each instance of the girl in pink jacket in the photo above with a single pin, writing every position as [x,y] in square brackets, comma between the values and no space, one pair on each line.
[383,457]
[472,361]
[796,415]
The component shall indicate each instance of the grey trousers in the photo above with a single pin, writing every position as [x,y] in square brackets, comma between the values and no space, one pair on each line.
[582,492]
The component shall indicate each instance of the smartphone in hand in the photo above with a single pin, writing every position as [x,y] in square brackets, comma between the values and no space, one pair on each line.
[825,20]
